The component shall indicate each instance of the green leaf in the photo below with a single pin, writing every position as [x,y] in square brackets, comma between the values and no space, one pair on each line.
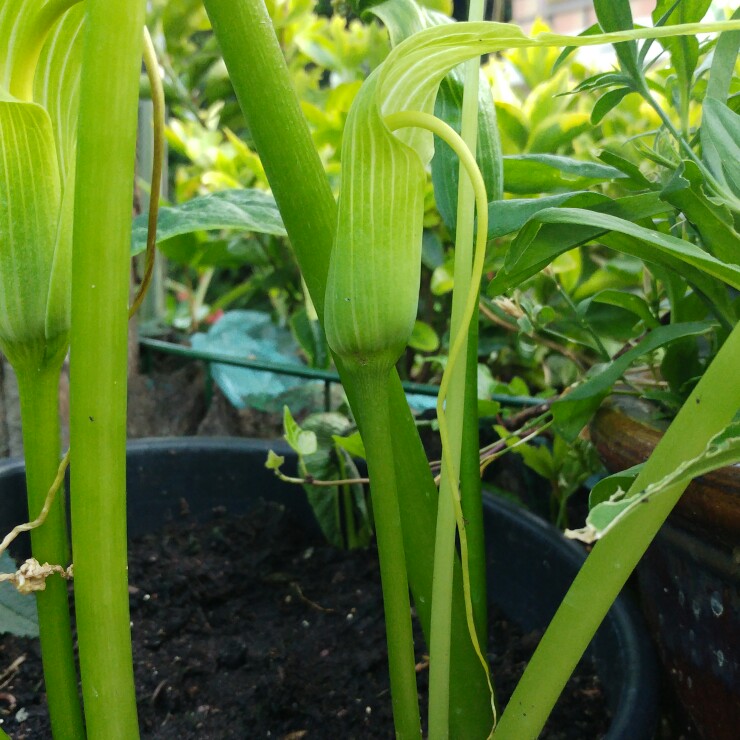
[602,80]
[247,210]
[541,173]
[423,337]
[536,457]
[351,444]
[607,102]
[507,216]
[713,221]
[616,15]
[723,64]
[610,485]
[303,442]
[274,461]
[528,254]
[488,409]
[720,138]
[539,243]
[684,50]
[17,611]
[630,302]
[572,412]
[341,511]
[629,168]
[722,450]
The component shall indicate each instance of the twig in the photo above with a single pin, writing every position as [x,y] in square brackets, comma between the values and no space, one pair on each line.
[309,480]
[41,518]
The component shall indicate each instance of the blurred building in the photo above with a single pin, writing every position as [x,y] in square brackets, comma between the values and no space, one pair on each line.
[567,16]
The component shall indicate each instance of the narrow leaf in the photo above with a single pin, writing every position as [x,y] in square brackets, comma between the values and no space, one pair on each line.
[652,246]
[723,64]
[525,174]
[573,411]
[616,15]
[538,244]
[628,301]
[607,102]
[507,216]
[684,50]
[713,221]
[720,138]
[629,168]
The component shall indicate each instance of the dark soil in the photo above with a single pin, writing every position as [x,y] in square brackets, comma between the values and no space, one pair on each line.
[248,628]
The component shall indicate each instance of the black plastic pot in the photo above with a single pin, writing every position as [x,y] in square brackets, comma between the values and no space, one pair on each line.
[531,564]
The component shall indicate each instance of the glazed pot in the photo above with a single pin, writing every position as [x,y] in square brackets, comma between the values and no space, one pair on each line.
[689,579]
[531,564]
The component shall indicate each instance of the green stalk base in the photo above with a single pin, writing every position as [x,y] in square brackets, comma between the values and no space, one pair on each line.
[38,392]
[375,423]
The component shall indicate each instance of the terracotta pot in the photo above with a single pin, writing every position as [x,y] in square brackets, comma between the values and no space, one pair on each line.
[689,579]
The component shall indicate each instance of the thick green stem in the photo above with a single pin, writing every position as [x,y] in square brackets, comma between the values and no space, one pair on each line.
[375,421]
[708,410]
[100,283]
[264,90]
[41,443]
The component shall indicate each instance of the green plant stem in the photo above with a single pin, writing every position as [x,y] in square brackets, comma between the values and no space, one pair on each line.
[41,445]
[352,539]
[472,494]
[100,284]
[444,551]
[264,90]
[374,422]
[710,407]
[470,475]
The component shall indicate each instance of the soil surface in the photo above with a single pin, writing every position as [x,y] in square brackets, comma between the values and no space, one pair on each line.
[248,628]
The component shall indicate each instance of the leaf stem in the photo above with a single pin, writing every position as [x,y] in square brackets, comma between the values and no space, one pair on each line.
[41,445]
[375,422]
